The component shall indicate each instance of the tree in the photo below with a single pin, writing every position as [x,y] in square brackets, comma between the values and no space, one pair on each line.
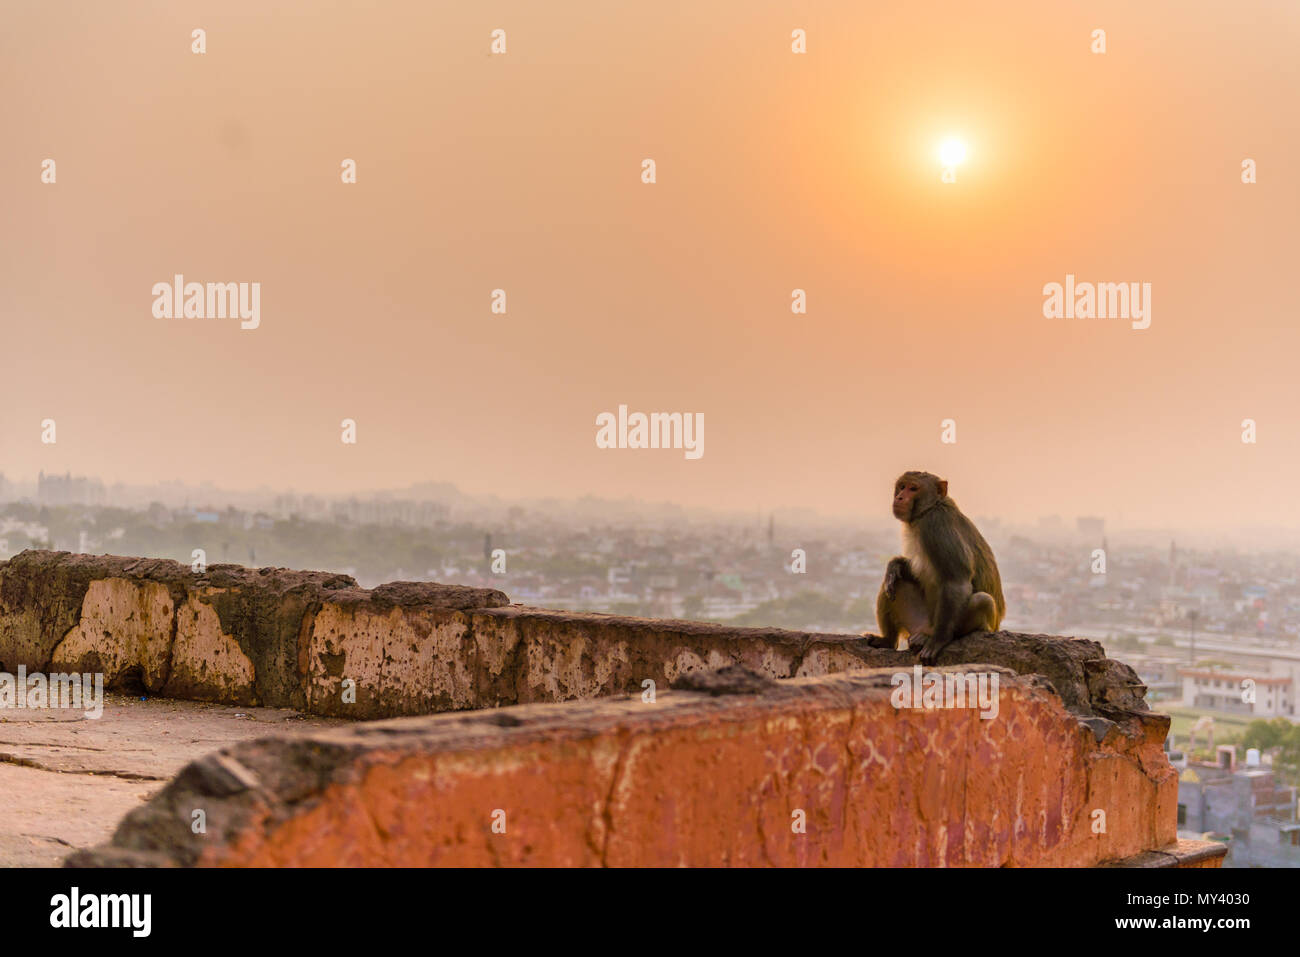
[1266,735]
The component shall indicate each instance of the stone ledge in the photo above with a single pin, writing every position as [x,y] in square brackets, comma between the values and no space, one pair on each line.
[695,778]
[281,638]
[1182,853]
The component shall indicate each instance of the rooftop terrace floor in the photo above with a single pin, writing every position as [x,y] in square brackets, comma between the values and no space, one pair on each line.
[66,780]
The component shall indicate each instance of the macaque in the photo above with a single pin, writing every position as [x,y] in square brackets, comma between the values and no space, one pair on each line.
[946,583]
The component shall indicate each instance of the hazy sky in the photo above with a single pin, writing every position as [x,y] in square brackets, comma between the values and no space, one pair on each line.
[775,171]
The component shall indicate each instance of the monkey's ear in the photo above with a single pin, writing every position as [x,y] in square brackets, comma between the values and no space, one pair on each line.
[943,488]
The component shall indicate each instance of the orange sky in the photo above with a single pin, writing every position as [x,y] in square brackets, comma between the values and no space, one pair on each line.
[775,171]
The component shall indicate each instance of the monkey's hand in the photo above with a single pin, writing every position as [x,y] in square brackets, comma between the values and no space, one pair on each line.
[898,570]
[918,641]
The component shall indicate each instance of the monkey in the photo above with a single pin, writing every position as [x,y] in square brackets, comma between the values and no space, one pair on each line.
[945,584]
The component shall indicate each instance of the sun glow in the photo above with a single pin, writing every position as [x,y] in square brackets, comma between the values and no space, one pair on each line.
[952,152]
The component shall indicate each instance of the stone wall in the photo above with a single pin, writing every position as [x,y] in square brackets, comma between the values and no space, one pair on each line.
[720,775]
[282,638]
[585,756]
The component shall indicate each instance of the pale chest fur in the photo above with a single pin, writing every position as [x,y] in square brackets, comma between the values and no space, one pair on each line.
[915,556]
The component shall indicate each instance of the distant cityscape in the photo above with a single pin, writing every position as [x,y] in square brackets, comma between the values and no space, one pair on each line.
[802,571]
[1214,634]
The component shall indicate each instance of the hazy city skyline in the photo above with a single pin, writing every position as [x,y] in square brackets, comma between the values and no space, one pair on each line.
[572,511]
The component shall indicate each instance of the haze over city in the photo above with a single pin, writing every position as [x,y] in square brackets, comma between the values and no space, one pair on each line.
[774,173]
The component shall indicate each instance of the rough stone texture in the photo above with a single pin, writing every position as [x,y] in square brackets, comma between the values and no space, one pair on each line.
[693,778]
[281,638]
[1182,854]
[733,679]
[231,634]
[207,663]
[532,654]
[125,631]
[405,660]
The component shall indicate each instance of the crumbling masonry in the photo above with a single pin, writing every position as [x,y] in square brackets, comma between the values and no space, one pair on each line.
[793,755]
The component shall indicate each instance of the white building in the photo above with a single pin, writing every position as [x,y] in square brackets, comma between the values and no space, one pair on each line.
[1239,691]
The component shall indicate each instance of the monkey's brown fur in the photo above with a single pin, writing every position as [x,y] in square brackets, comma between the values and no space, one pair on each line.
[946,582]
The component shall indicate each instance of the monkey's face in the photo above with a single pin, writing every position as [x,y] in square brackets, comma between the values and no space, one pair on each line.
[915,493]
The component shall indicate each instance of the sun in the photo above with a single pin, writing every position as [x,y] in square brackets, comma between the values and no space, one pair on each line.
[952,152]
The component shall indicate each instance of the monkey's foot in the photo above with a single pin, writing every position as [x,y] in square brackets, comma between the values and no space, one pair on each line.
[930,653]
[878,641]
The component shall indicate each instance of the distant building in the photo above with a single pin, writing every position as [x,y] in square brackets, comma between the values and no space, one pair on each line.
[1158,672]
[1090,526]
[1221,690]
[67,490]
[384,512]
[1244,804]
[721,608]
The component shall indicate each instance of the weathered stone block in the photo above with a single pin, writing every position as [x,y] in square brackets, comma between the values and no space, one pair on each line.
[695,778]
